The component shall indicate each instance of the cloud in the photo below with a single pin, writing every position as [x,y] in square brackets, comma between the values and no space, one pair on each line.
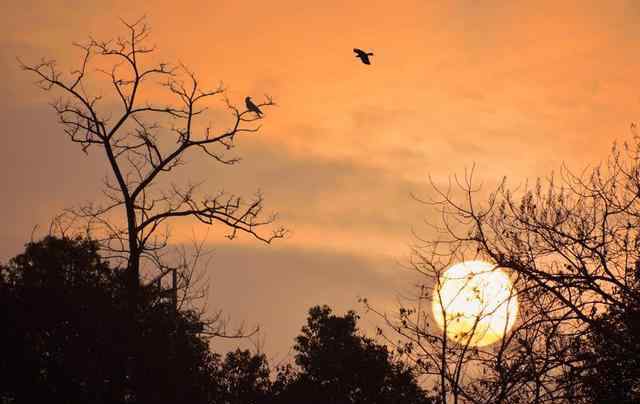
[509,88]
[275,286]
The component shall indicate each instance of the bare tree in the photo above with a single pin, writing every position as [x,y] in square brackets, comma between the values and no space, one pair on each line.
[144,143]
[576,241]
[455,369]
[572,246]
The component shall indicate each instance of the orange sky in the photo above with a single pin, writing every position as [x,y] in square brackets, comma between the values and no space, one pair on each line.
[515,88]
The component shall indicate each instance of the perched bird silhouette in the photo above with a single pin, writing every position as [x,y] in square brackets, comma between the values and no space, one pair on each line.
[364,56]
[252,107]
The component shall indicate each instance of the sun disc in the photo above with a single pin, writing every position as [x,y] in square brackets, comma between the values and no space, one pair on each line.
[475,303]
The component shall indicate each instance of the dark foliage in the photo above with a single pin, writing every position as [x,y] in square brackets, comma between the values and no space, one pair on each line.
[607,370]
[65,342]
[245,378]
[337,365]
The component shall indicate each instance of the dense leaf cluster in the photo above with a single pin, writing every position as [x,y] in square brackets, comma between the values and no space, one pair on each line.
[67,338]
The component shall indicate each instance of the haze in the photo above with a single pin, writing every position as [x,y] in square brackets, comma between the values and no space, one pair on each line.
[515,88]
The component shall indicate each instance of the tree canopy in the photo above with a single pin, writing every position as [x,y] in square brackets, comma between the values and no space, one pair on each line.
[338,365]
[571,244]
[64,339]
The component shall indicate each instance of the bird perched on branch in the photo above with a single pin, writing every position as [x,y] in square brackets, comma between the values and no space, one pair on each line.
[252,107]
[364,56]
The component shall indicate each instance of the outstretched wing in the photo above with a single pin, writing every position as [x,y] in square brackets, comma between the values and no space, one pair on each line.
[362,55]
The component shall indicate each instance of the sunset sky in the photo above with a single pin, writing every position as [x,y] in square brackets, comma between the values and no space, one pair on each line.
[518,88]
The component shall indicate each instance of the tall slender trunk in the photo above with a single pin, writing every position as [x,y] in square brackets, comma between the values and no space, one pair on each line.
[133,264]
[133,296]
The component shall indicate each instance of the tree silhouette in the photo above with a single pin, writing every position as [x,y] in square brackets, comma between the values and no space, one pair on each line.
[245,378]
[144,143]
[608,370]
[63,339]
[337,365]
[571,246]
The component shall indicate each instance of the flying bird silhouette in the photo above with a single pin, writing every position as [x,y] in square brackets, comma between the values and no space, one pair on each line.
[252,107]
[364,56]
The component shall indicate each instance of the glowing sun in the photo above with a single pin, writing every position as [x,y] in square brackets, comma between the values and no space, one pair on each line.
[474,302]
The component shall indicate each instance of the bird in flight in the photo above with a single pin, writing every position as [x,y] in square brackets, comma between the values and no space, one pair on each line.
[252,107]
[364,56]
